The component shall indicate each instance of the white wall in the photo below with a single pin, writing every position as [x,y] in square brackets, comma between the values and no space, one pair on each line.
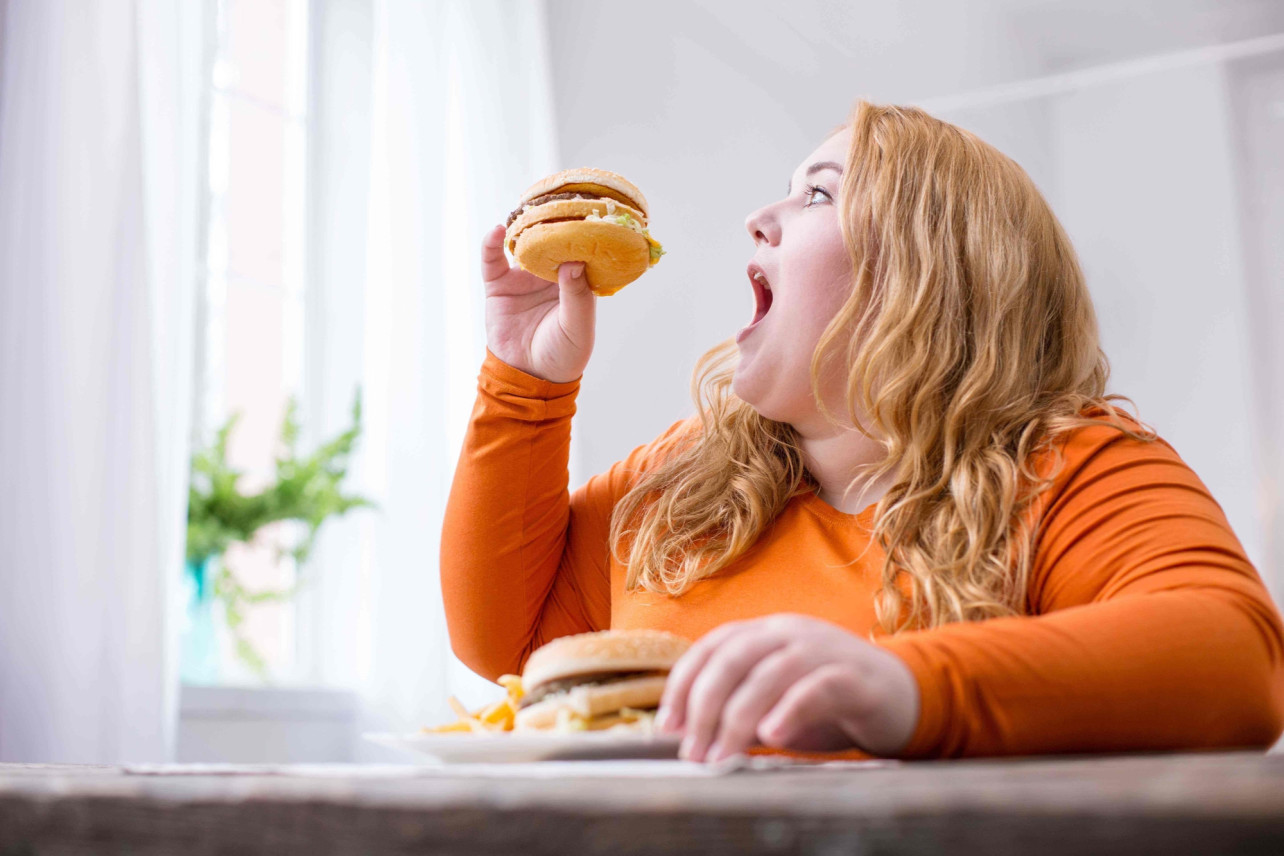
[711,106]
[1146,190]
[1140,170]
[1256,86]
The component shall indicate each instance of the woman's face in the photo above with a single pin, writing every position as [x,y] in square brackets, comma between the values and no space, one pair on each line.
[800,249]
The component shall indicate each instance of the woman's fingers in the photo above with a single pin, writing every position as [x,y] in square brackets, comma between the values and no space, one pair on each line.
[673,702]
[787,681]
[766,683]
[494,262]
[722,673]
[808,715]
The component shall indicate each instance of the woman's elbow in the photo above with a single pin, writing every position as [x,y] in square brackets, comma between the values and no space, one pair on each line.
[1247,676]
[1264,720]
[1251,716]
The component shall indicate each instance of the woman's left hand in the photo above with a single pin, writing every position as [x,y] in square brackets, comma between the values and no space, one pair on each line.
[789,682]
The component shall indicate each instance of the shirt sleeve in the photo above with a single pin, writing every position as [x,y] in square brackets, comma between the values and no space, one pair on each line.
[524,560]
[1150,628]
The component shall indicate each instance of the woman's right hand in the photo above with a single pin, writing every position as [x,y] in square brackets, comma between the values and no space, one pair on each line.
[542,328]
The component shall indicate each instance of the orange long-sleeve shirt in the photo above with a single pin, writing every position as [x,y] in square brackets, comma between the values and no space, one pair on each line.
[1149,628]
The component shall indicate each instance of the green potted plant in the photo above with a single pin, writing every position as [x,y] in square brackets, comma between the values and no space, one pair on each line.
[306,489]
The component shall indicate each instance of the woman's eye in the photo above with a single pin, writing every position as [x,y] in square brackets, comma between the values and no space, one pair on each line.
[812,190]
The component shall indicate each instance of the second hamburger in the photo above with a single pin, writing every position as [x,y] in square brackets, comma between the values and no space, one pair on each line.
[595,681]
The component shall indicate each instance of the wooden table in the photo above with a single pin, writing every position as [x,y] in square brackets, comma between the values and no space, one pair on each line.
[1170,804]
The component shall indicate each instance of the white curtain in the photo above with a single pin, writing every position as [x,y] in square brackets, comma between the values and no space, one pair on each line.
[99,156]
[431,118]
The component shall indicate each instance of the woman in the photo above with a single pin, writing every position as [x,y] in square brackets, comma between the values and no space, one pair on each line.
[906,519]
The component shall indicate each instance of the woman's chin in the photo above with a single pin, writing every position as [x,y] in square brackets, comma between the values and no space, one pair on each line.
[747,391]
[742,387]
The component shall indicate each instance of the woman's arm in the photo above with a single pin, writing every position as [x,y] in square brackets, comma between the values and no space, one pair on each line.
[1155,631]
[522,560]
[505,533]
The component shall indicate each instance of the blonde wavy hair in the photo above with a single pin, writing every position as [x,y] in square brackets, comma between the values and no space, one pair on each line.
[970,342]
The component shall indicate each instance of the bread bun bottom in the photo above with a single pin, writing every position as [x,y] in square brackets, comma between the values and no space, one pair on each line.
[552,717]
[613,255]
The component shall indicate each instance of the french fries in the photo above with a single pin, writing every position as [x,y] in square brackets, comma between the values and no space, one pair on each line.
[494,717]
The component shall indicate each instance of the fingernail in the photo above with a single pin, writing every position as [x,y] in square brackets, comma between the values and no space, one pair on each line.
[716,752]
[662,720]
[577,271]
[684,751]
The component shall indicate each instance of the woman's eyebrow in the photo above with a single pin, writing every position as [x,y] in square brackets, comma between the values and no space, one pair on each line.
[815,168]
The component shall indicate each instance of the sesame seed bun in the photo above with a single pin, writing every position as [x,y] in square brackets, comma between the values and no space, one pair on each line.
[599,181]
[604,651]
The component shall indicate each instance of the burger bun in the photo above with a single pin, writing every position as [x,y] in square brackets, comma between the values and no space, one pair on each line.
[613,257]
[600,652]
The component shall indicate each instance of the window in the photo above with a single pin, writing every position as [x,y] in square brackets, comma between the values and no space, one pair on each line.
[250,356]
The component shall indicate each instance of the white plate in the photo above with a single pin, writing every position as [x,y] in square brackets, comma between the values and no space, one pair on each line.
[510,747]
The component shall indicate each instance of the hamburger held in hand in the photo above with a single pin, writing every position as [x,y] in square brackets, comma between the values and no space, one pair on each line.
[595,681]
[584,215]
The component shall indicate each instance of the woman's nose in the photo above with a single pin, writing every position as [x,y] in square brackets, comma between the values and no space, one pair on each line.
[762,226]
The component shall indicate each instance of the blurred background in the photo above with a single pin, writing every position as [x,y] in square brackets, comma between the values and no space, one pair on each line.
[254,208]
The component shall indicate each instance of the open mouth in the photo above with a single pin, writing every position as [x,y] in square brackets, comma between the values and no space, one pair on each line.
[761,295]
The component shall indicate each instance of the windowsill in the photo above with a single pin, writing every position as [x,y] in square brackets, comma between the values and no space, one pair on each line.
[277,703]
[285,725]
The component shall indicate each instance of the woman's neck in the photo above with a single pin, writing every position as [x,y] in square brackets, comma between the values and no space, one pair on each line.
[833,457]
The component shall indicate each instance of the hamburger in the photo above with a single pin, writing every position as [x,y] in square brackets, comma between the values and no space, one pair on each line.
[584,215]
[597,681]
